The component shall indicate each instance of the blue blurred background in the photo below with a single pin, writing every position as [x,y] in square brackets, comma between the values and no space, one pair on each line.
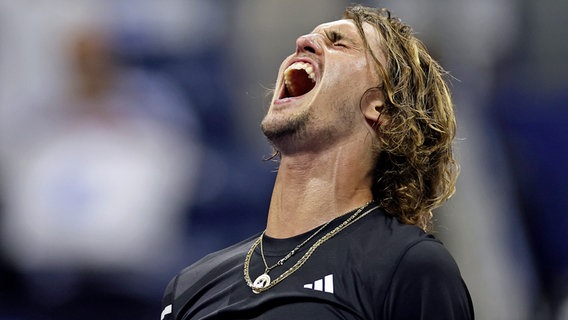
[130,145]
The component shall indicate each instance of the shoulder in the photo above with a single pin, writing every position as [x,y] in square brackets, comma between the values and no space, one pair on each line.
[381,241]
[425,262]
[215,263]
[195,276]
[386,237]
[428,257]
[414,275]
[427,284]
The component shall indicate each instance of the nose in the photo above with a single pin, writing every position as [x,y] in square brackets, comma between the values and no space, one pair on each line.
[308,43]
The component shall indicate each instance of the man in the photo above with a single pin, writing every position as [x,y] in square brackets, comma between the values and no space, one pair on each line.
[362,121]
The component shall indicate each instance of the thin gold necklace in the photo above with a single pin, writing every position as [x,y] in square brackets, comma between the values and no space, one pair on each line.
[263,282]
[264,279]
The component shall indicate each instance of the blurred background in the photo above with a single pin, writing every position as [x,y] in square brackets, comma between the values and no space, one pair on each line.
[130,145]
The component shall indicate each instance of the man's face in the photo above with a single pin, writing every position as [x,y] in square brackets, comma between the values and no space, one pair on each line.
[319,88]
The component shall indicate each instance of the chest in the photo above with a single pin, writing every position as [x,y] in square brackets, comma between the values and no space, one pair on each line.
[331,284]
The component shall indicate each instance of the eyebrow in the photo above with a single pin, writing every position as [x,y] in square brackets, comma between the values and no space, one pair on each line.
[334,35]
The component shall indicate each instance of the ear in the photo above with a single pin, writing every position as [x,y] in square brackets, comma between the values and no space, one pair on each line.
[372,104]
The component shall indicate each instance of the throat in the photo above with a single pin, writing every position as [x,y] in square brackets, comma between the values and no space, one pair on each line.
[310,190]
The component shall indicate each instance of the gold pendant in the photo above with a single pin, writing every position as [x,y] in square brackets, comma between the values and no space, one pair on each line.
[261,282]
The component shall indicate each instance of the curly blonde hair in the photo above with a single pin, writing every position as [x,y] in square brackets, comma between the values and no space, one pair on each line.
[416,171]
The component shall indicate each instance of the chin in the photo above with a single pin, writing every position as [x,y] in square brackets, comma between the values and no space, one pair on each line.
[277,128]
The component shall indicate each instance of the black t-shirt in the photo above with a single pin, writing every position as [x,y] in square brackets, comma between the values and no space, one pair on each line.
[376,268]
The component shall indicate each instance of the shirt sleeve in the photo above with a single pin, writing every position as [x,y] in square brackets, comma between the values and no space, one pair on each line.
[427,285]
[167,301]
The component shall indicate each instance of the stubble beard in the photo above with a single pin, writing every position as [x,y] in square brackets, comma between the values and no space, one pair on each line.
[301,133]
[281,133]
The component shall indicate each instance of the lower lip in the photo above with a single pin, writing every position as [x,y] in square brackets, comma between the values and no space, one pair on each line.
[285,100]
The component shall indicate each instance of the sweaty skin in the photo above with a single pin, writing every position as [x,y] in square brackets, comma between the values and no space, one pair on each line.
[324,136]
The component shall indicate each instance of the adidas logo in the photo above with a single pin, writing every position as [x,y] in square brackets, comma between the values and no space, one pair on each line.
[324,285]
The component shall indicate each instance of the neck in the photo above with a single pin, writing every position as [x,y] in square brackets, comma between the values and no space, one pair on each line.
[312,189]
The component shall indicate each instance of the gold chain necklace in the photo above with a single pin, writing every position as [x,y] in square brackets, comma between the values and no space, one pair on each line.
[263,282]
[264,279]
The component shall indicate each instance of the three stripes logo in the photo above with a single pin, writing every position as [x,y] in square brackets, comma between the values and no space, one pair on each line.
[324,285]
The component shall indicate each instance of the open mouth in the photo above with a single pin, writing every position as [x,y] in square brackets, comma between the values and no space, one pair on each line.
[299,79]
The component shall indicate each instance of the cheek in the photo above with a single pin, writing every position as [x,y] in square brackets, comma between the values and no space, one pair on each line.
[352,77]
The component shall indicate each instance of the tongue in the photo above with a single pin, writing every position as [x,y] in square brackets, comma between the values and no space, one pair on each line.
[299,84]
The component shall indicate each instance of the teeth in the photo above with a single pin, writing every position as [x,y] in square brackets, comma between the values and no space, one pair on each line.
[293,87]
[299,66]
